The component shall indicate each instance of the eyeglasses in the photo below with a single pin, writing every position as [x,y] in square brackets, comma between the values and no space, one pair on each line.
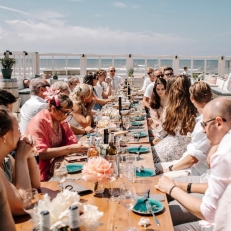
[204,124]
[169,74]
[112,70]
[159,76]
[66,113]
[149,73]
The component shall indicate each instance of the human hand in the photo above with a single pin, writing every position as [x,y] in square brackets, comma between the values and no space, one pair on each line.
[165,184]
[26,147]
[149,121]
[79,148]
[90,105]
[108,81]
[89,129]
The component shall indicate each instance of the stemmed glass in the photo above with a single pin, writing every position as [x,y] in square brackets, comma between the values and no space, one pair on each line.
[113,177]
[128,199]
[30,200]
[60,173]
[126,122]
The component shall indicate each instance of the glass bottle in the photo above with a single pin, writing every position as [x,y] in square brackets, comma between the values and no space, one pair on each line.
[111,149]
[44,221]
[74,222]
[92,151]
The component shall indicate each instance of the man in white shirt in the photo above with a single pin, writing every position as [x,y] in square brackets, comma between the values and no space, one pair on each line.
[115,79]
[217,126]
[149,79]
[148,92]
[35,104]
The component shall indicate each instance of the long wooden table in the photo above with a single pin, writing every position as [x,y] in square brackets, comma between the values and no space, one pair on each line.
[115,215]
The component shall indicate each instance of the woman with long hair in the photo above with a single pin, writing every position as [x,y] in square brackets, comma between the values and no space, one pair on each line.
[53,135]
[194,159]
[22,173]
[179,120]
[157,102]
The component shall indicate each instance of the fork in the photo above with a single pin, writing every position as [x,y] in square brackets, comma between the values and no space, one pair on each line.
[149,208]
[138,152]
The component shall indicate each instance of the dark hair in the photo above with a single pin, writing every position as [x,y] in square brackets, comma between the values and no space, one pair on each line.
[88,79]
[64,101]
[6,123]
[155,98]
[6,98]
[168,69]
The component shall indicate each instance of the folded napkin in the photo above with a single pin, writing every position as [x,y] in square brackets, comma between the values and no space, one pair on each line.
[136,128]
[81,190]
[158,197]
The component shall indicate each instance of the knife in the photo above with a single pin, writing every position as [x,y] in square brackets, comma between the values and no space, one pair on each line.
[138,152]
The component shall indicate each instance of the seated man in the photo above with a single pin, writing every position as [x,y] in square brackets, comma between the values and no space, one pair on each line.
[115,79]
[217,126]
[35,104]
[72,82]
[149,79]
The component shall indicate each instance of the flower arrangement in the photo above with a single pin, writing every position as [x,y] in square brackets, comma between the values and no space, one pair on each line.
[59,208]
[7,62]
[112,113]
[96,170]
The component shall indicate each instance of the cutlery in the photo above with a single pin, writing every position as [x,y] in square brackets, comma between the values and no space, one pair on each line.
[142,168]
[138,152]
[138,138]
[149,208]
[146,195]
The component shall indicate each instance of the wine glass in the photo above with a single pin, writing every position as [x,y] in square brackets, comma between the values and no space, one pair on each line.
[128,199]
[113,177]
[60,173]
[126,122]
[30,200]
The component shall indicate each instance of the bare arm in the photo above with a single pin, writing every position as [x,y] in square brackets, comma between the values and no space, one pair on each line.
[146,102]
[186,162]
[34,172]
[195,188]
[107,93]
[83,121]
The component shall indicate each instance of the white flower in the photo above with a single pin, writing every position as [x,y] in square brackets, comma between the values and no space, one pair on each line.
[144,221]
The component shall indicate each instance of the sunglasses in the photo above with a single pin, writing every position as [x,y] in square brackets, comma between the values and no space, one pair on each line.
[169,74]
[159,76]
[112,70]
[66,113]
[149,73]
[204,124]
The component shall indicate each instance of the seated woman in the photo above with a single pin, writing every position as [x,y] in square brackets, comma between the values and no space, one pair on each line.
[61,86]
[53,135]
[22,173]
[179,120]
[103,89]
[157,102]
[92,80]
[7,99]
[194,159]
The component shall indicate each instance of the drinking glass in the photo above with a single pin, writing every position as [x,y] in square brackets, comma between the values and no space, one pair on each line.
[128,199]
[60,173]
[30,200]
[126,122]
[113,175]
[117,143]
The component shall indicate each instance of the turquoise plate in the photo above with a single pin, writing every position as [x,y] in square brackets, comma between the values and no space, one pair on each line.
[140,206]
[73,168]
[90,134]
[140,118]
[135,149]
[141,134]
[136,123]
[146,173]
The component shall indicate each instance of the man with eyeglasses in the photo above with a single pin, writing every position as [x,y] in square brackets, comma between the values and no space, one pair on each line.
[149,79]
[35,104]
[186,209]
[168,73]
[115,79]
[148,92]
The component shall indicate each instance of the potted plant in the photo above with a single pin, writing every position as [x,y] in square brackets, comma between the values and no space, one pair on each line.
[195,76]
[55,76]
[130,72]
[7,64]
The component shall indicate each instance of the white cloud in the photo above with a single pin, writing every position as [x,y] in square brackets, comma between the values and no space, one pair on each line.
[120,4]
[56,36]
[15,10]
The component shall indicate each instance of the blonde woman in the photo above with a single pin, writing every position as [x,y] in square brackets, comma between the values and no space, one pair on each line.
[83,102]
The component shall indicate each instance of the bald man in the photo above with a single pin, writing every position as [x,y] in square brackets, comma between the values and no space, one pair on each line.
[216,124]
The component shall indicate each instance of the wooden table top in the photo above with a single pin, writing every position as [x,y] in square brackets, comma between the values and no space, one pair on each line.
[115,215]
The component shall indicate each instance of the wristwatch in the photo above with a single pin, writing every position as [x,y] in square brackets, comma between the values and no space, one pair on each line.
[170,167]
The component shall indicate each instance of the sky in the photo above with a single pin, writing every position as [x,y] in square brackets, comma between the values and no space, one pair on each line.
[149,27]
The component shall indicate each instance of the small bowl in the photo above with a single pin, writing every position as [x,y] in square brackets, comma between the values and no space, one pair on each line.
[124,112]
[126,103]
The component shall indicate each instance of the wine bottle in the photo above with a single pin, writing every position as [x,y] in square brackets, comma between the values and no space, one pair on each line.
[129,92]
[111,149]
[105,136]
[44,221]
[74,222]
[92,151]
[120,105]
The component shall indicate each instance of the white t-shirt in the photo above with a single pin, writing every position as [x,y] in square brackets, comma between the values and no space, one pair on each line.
[99,89]
[115,82]
[147,81]
[149,90]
